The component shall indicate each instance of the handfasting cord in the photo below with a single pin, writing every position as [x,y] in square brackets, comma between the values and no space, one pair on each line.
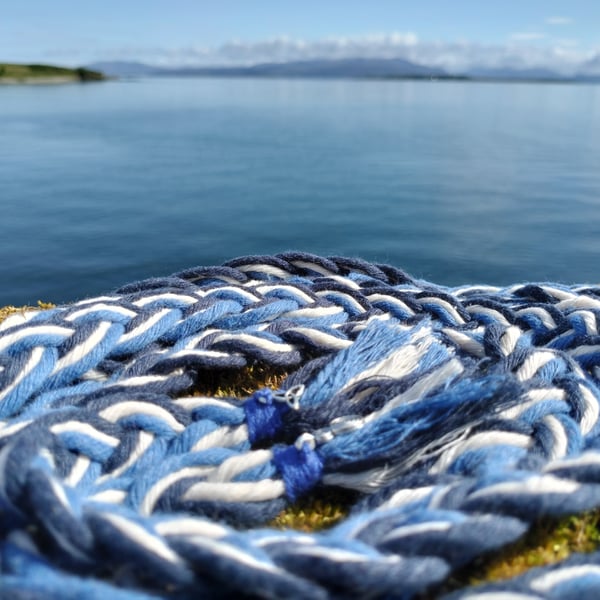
[458,415]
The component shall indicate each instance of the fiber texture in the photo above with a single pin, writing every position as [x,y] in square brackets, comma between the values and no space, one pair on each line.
[459,415]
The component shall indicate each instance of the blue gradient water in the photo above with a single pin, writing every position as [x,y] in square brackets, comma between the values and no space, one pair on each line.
[102,184]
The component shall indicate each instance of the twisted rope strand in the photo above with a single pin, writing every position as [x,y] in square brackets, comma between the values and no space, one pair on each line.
[461,415]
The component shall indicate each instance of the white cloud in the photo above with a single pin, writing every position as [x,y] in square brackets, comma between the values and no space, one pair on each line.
[567,42]
[282,49]
[527,36]
[454,57]
[559,21]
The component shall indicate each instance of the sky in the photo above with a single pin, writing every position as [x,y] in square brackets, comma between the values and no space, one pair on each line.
[452,34]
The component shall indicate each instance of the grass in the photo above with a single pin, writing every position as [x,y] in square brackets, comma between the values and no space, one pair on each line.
[548,540]
[17,72]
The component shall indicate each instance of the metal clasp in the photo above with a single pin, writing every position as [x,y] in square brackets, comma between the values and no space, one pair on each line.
[290,396]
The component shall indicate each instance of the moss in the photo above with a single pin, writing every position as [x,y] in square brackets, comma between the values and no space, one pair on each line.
[547,542]
[6,311]
[239,383]
[321,510]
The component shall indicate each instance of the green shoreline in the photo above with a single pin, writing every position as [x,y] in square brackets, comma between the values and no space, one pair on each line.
[11,73]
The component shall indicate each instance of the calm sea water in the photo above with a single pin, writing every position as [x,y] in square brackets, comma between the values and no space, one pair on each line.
[102,184]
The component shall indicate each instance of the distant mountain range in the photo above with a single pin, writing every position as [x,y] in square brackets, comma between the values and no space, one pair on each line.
[348,67]
[125,69]
[380,68]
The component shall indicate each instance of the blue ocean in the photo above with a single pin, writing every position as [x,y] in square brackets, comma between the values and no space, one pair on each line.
[455,182]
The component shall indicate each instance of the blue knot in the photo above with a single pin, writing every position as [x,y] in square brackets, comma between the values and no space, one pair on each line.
[263,415]
[301,468]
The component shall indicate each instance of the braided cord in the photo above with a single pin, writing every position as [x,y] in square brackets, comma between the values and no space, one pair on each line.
[459,415]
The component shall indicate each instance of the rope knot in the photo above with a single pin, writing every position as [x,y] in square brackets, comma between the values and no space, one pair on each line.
[300,466]
[266,408]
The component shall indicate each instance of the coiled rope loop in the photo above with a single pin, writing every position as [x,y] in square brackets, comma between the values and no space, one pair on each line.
[458,415]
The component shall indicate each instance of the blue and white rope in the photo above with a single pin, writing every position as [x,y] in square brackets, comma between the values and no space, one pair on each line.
[459,415]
